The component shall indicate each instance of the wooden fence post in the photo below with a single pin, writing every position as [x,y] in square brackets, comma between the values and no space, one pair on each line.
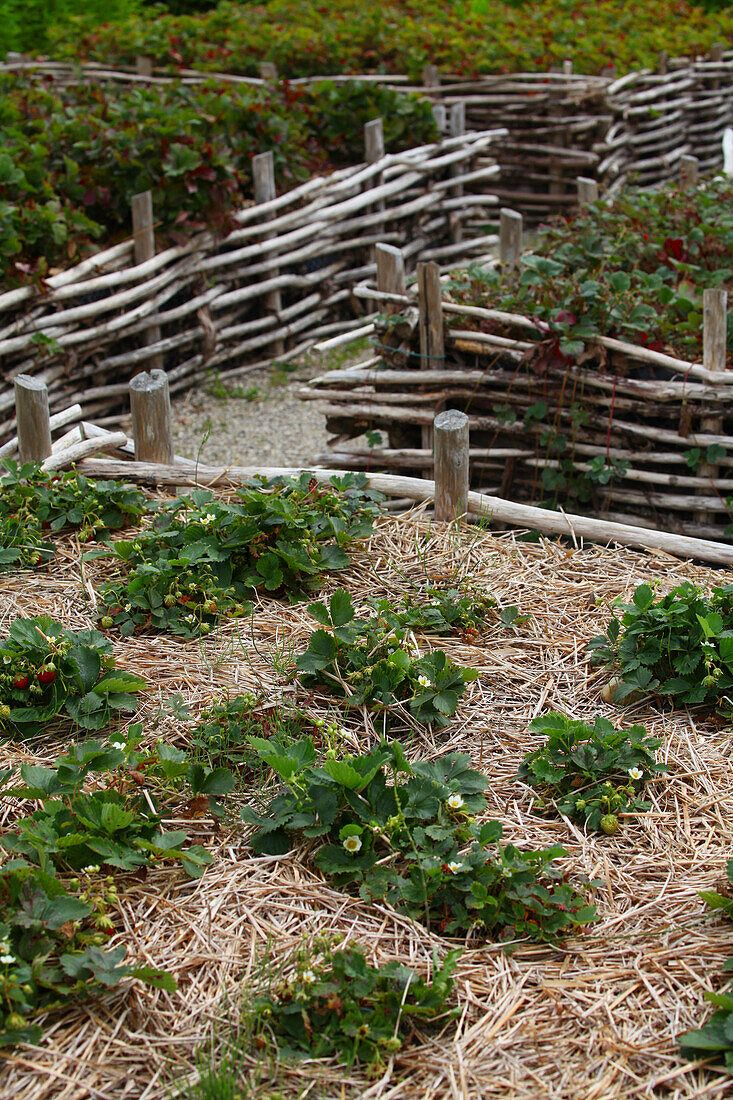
[143,235]
[430,324]
[457,127]
[451,465]
[390,274]
[150,405]
[662,62]
[440,116]
[689,172]
[263,174]
[144,65]
[431,76]
[510,238]
[714,334]
[32,417]
[587,192]
[567,66]
[268,72]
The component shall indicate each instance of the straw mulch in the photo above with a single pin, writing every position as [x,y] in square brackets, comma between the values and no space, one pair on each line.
[592,1020]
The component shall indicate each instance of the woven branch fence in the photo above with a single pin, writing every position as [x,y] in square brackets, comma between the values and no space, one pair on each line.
[559,125]
[274,286]
[612,434]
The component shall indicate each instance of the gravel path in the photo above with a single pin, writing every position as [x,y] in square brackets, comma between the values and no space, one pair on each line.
[258,421]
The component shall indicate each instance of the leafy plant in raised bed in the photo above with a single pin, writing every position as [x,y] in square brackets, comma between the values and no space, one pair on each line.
[51,953]
[636,270]
[338,1005]
[371,661]
[114,825]
[47,671]
[715,1038]
[35,504]
[407,833]
[444,611]
[203,557]
[590,774]
[222,734]
[680,646]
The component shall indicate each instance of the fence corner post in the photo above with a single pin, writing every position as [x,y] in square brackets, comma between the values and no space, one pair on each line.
[150,406]
[451,465]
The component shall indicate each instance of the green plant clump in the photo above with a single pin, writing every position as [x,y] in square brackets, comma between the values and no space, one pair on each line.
[340,1006]
[590,774]
[47,671]
[35,504]
[202,557]
[222,734]
[407,833]
[679,647]
[370,661]
[116,825]
[51,951]
[715,1038]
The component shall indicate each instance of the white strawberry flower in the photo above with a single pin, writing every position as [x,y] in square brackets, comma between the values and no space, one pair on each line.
[308,977]
[636,773]
[454,867]
[352,844]
[454,802]
[423,681]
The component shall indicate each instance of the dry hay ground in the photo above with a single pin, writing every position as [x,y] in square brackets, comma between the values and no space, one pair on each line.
[594,1019]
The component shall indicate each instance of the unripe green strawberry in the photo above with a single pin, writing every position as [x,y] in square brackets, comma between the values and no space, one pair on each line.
[170,600]
[580,804]
[205,628]
[14,1021]
[107,621]
[609,824]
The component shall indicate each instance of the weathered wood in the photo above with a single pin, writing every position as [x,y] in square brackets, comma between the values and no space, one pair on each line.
[715,318]
[263,174]
[431,76]
[268,71]
[144,65]
[58,420]
[60,459]
[450,432]
[150,406]
[456,128]
[510,238]
[587,192]
[492,509]
[689,172]
[32,416]
[374,140]
[390,275]
[143,233]
[432,340]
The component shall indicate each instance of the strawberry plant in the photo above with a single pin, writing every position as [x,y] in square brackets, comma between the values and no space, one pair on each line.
[590,774]
[203,557]
[714,1040]
[372,662]
[35,504]
[445,611]
[47,672]
[407,833]
[51,951]
[114,825]
[223,732]
[338,1006]
[679,647]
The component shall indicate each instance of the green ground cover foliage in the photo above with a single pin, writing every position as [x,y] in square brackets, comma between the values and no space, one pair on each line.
[302,38]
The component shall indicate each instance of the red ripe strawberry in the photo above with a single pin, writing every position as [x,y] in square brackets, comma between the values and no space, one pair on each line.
[21,680]
[47,674]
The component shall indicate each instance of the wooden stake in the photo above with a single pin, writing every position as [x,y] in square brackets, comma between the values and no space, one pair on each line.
[567,66]
[587,192]
[457,127]
[374,141]
[144,65]
[150,405]
[714,337]
[689,172]
[431,76]
[451,465]
[662,62]
[143,234]
[32,416]
[510,238]
[268,71]
[432,340]
[440,116]
[263,174]
[390,273]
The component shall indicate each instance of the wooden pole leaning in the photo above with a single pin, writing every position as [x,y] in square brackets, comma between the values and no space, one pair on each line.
[450,430]
[587,192]
[33,420]
[263,174]
[150,405]
[432,337]
[510,238]
[143,235]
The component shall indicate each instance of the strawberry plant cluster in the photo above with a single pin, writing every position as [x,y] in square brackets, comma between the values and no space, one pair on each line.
[374,662]
[74,155]
[590,774]
[202,557]
[337,1005]
[714,1039]
[408,833]
[35,504]
[51,948]
[223,731]
[679,647]
[636,271]
[445,611]
[49,672]
[398,36]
